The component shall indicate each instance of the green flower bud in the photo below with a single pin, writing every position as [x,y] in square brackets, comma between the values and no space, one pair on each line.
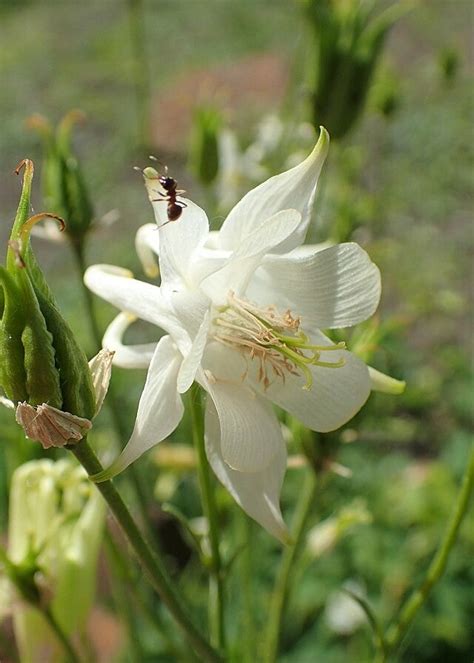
[349,42]
[204,148]
[64,188]
[449,61]
[40,360]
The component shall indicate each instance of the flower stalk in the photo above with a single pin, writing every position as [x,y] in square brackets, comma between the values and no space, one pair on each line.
[150,561]
[396,633]
[216,584]
[282,582]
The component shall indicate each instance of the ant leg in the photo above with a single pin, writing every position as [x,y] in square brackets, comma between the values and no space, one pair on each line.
[165,223]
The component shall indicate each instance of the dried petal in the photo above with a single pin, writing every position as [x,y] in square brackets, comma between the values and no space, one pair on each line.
[50,426]
[101,371]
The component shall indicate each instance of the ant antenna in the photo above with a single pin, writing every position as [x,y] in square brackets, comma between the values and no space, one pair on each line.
[153,158]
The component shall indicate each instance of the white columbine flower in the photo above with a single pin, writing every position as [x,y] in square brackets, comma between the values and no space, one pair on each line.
[241,310]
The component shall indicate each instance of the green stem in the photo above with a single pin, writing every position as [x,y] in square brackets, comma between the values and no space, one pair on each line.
[216,585]
[121,595]
[437,567]
[149,560]
[281,589]
[71,654]
[79,254]
[28,590]
[248,599]
[128,578]
[141,74]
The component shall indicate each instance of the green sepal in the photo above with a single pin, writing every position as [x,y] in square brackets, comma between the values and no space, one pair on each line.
[28,370]
[12,369]
[74,375]
[41,361]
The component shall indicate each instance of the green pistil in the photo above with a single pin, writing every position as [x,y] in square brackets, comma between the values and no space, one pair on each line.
[302,362]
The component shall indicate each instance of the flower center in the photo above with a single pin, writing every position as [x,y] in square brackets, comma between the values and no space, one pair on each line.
[273,338]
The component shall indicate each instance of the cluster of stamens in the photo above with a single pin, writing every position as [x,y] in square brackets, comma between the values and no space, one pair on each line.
[273,338]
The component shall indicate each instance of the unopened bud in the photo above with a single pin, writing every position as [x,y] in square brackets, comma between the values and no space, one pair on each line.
[64,188]
[41,363]
[204,148]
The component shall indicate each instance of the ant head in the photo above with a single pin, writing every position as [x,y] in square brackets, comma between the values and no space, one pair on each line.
[168,183]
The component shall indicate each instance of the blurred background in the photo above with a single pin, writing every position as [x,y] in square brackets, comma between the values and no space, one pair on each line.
[226,94]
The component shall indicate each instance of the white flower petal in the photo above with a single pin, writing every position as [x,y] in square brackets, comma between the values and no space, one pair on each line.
[257,493]
[189,307]
[179,239]
[336,287]
[293,189]
[6,402]
[144,300]
[147,246]
[192,361]
[337,394]
[241,265]
[159,411]
[250,434]
[126,356]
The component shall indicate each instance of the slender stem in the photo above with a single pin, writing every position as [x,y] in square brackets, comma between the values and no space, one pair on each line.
[216,585]
[436,569]
[120,590]
[79,254]
[281,589]
[28,590]
[248,599]
[61,636]
[141,71]
[149,560]
[128,577]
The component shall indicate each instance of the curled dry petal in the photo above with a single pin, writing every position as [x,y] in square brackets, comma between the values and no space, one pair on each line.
[50,426]
[101,371]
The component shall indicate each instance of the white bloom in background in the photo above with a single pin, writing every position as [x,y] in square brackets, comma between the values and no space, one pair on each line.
[241,310]
[56,521]
[240,168]
[343,614]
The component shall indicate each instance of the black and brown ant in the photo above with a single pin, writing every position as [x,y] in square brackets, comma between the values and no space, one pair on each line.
[175,207]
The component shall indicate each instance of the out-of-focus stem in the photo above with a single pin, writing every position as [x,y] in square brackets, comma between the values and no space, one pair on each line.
[150,561]
[247,588]
[79,254]
[216,585]
[72,656]
[141,71]
[436,569]
[282,582]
